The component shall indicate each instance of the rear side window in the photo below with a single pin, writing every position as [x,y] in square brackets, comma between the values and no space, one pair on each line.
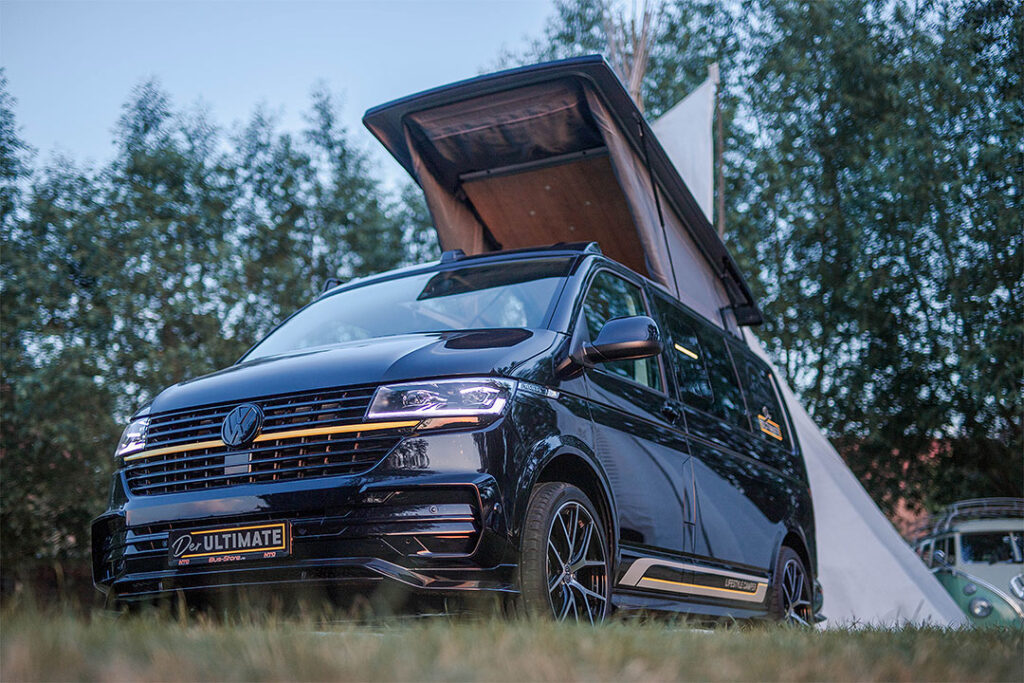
[728,403]
[612,297]
[765,412]
[688,361]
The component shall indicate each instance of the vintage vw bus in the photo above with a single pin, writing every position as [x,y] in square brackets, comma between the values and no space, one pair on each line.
[976,550]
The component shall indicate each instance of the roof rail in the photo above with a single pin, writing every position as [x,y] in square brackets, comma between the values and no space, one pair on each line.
[331,283]
[964,510]
[452,255]
[579,247]
[585,247]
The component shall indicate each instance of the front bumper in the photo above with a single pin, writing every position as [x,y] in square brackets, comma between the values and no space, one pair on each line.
[428,516]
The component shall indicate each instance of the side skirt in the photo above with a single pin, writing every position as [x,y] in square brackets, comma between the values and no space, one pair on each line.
[693,581]
[631,600]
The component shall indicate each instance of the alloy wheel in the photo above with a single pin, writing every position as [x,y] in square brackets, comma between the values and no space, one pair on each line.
[796,602]
[577,569]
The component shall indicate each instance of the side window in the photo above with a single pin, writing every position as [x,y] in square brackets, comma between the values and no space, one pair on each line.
[765,412]
[728,403]
[688,362]
[612,297]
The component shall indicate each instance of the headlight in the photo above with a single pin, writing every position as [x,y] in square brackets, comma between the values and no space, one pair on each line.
[980,607]
[133,439]
[442,398]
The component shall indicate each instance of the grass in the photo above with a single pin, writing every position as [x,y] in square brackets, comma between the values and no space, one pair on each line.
[57,646]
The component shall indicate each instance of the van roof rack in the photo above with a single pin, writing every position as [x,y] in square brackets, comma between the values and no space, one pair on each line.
[578,247]
[965,510]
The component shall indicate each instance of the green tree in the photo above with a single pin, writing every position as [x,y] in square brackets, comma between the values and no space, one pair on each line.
[308,209]
[873,187]
[166,233]
[162,265]
[56,415]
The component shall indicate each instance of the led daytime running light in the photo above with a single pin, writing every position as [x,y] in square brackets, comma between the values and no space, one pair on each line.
[442,398]
[133,439]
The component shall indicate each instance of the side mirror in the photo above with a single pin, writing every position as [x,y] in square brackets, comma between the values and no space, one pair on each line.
[629,338]
[939,558]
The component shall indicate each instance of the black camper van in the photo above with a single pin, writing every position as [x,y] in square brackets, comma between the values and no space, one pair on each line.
[556,426]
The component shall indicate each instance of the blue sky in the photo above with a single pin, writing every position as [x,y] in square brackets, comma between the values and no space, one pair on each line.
[71,65]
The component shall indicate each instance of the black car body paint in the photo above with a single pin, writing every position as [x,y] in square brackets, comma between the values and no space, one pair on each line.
[696,506]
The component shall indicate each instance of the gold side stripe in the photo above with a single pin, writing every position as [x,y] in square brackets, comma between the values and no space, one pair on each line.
[697,585]
[271,436]
[686,351]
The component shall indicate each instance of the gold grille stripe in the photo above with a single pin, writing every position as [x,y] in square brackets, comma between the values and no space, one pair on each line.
[175,449]
[272,436]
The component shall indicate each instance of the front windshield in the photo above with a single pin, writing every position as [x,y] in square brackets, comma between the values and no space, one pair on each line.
[496,295]
[993,547]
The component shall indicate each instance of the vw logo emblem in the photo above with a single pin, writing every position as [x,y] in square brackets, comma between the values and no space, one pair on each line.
[241,425]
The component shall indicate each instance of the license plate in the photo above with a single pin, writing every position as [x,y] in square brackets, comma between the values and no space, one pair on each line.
[229,544]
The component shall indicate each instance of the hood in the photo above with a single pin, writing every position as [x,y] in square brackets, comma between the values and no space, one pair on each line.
[371,361]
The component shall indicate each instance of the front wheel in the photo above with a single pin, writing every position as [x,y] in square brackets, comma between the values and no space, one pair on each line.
[791,590]
[564,566]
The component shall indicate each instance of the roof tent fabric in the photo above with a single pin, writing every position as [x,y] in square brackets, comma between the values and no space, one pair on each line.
[559,153]
[673,256]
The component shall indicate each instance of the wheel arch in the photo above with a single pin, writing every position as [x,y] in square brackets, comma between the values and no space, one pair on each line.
[795,540]
[571,466]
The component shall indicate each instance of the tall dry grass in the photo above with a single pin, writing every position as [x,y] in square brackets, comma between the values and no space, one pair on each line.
[56,645]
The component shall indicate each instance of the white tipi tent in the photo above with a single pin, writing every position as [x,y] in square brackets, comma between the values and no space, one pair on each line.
[868,573]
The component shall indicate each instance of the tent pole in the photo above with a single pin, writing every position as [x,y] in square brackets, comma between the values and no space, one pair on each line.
[657,201]
[719,176]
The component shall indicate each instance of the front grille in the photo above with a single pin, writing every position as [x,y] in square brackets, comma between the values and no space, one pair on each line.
[295,457]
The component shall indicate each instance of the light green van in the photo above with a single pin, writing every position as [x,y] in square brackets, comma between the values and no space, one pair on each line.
[975,548]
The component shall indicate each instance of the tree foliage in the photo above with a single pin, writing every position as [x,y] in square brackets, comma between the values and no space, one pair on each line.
[164,264]
[873,181]
[873,178]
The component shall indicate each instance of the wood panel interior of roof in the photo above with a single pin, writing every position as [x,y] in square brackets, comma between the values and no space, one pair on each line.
[570,202]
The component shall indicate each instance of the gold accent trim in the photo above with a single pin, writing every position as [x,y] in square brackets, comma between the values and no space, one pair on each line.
[764,420]
[271,436]
[685,351]
[343,429]
[174,449]
[710,588]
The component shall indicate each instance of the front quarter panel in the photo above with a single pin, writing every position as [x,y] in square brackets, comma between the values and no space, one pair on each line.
[550,423]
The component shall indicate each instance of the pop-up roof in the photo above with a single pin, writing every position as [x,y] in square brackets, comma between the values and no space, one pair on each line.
[558,152]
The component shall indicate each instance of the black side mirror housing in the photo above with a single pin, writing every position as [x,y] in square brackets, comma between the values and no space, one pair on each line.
[629,338]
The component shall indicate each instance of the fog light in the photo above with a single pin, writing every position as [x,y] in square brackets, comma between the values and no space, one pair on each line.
[980,607]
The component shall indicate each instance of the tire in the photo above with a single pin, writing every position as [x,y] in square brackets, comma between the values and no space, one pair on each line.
[562,574]
[790,598]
